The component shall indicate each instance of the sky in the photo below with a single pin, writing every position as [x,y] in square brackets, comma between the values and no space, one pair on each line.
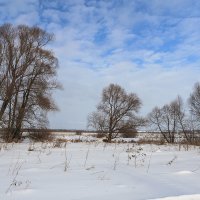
[149,47]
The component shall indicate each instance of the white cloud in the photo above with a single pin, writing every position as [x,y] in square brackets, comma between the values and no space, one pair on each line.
[12,9]
[30,19]
[153,84]
[146,49]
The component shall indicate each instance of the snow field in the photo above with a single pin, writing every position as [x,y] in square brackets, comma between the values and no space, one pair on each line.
[99,171]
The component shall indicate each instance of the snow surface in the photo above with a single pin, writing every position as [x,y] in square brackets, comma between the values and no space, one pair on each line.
[98,171]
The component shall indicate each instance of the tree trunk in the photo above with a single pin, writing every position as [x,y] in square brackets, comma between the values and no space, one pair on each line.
[3,108]
[16,135]
[109,138]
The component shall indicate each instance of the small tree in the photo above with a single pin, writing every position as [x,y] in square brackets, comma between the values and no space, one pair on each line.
[116,112]
[168,120]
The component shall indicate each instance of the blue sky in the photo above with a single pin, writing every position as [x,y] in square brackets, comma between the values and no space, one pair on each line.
[150,47]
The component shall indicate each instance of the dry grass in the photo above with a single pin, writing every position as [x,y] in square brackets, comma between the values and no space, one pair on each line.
[151,141]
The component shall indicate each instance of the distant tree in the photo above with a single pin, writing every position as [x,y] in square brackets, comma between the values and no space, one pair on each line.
[168,120]
[194,105]
[194,102]
[116,112]
[27,78]
[172,119]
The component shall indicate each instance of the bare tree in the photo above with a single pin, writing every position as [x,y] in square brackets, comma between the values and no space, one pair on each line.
[27,78]
[194,105]
[168,120]
[116,112]
[194,102]
[171,120]
[186,123]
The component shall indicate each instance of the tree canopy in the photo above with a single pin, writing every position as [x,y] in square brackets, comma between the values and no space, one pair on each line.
[27,78]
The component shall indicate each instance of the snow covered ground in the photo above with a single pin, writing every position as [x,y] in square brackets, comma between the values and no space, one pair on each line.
[98,171]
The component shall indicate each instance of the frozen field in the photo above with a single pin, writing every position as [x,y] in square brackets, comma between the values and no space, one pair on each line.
[98,171]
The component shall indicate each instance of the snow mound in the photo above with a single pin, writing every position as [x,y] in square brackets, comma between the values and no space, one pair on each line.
[182,197]
[184,172]
[158,151]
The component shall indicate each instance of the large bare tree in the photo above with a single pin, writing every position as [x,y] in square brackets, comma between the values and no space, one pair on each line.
[116,112]
[27,78]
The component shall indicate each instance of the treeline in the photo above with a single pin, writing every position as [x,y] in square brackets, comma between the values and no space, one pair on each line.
[117,114]
[27,79]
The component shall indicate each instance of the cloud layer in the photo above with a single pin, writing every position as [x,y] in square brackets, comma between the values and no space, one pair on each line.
[148,47]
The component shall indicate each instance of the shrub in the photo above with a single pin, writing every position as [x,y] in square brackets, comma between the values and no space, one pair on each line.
[105,140]
[41,136]
[6,136]
[78,133]
[100,135]
[129,134]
